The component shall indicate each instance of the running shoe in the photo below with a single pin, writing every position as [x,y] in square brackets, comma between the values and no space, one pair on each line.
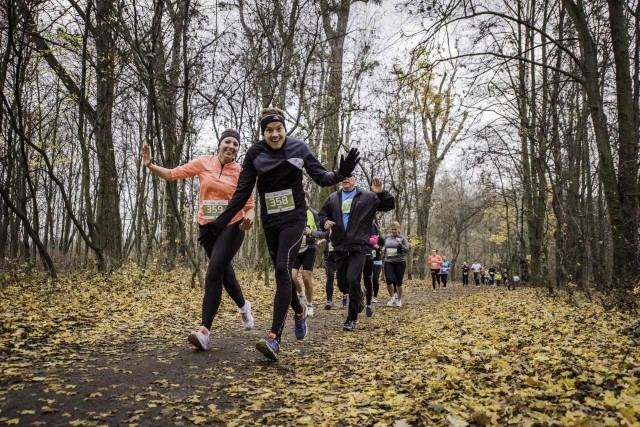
[374,300]
[328,305]
[392,301]
[345,300]
[269,346]
[349,325]
[302,297]
[199,338]
[246,317]
[310,310]
[369,311]
[399,303]
[300,326]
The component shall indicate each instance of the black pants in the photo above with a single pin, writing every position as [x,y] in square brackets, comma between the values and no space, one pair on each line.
[330,271]
[435,277]
[376,278]
[465,279]
[283,242]
[349,266]
[476,278]
[367,273]
[220,250]
[394,273]
[444,278]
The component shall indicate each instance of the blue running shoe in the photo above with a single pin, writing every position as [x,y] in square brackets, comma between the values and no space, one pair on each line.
[300,326]
[369,311]
[269,347]
[349,325]
[345,300]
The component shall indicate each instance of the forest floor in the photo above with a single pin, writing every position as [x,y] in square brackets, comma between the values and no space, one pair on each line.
[112,350]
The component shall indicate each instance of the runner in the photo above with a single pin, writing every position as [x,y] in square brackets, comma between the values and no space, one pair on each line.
[377,262]
[498,278]
[330,271]
[396,247]
[276,163]
[483,276]
[492,276]
[476,267]
[218,176]
[307,257]
[367,271]
[445,267]
[349,213]
[435,263]
[465,274]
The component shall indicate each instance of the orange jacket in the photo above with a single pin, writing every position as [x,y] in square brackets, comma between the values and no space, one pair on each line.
[217,183]
[434,262]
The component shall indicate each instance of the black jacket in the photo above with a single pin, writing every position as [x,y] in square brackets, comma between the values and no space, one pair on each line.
[363,210]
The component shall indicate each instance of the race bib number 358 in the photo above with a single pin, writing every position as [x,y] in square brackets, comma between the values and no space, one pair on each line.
[279,201]
[211,209]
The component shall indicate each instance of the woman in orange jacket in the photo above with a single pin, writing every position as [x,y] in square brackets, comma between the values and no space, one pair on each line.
[435,263]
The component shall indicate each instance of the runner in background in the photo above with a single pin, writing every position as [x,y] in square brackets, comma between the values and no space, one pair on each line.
[349,213]
[475,268]
[377,262]
[307,258]
[396,248]
[435,262]
[445,268]
[465,274]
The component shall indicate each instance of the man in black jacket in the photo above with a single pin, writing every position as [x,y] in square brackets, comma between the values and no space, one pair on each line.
[347,214]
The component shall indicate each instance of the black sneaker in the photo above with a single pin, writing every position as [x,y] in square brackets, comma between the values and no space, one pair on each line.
[349,325]
[369,311]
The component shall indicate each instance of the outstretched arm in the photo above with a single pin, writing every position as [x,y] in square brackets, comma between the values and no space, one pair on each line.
[163,173]
[387,201]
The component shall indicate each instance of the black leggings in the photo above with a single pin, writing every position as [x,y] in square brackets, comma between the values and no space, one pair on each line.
[376,278]
[220,250]
[349,266]
[444,278]
[465,279]
[283,242]
[330,271]
[367,272]
[394,272]
[435,276]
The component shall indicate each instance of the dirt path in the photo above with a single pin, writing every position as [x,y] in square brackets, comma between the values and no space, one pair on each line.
[156,378]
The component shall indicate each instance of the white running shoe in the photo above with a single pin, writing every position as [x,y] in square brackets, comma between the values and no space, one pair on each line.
[310,310]
[246,317]
[374,300]
[200,338]
[392,301]
[399,303]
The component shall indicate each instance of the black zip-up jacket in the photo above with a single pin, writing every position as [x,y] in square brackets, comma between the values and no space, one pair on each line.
[277,170]
[363,210]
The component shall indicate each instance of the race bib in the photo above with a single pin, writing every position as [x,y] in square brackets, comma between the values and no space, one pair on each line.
[279,201]
[466,273]
[434,265]
[212,209]
[304,241]
[392,251]
[330,247]
[346,206]
[377,262]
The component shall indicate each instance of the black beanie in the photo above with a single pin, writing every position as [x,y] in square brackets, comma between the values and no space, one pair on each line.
[270,119]
[229,132]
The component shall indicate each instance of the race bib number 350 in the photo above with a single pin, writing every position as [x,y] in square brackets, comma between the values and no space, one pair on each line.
[279,201]
[211,209]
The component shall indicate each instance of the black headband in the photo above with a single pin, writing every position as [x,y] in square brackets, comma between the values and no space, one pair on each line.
[270,119]
[229,132]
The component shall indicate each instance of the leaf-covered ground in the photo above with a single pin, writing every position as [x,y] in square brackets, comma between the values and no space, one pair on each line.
[93,350]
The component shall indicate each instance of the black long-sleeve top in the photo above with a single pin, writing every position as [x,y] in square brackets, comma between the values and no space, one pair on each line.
[277,171]
[363,210]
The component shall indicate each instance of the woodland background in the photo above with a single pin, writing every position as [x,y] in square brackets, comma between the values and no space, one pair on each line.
[507,129]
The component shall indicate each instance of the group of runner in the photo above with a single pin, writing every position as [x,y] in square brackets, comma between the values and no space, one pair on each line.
[354,249]
[275,166]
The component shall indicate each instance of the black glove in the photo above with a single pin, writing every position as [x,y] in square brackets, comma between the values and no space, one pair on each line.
[349,164]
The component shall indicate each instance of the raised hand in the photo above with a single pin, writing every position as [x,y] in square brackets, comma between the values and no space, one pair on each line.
[246,224]
[146,155]
[347,165]
[376,185]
